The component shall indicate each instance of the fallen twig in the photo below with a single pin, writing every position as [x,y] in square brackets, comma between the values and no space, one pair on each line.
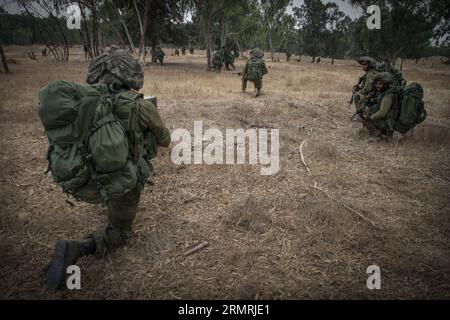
[347,207]
[196,248]
[303,158]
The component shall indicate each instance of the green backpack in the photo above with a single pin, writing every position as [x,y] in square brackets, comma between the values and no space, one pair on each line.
[218,58]
[411,108]
[143,146]
[254,70]
[229,57]
[88,151]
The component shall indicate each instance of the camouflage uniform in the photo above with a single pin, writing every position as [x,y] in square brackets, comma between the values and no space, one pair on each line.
[159,55]
[122,74]
[256,55]
[229,59]
[366,82]
[218,60]
[381,106]
[145,118]
[122,211]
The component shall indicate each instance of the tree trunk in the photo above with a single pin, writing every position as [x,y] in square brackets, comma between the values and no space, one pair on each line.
[130,41]
[394,57]
[95,39]
[313,58]
[401,64]
[5,64]
[153,46]
[332,60]
[223,37]
[88,38]
[209,24]
[270,44]
[239,48]
[141,28]
[145,26]
[208,52]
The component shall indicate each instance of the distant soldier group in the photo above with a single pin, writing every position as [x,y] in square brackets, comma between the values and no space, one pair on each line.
[383,101]
[159,55]
[223,56]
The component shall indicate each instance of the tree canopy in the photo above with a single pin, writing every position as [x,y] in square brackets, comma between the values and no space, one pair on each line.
[410,28]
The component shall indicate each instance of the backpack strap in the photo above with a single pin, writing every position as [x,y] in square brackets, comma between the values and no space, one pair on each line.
[131,95]
[103,121]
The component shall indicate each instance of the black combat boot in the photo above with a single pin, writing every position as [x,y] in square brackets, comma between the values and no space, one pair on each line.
[67,252]
[257,93]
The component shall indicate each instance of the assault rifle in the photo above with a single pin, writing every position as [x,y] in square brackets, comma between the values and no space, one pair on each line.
[238,73]
[355,89]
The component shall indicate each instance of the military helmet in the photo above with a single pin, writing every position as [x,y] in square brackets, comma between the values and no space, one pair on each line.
[257,53]
[117,69]
[369,60]
[386,77]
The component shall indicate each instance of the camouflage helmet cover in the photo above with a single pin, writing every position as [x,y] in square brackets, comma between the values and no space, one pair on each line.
[385,77]
[257,53]
[369,60]
[117,69]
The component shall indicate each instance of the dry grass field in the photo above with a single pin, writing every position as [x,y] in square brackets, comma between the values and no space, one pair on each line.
[272,237]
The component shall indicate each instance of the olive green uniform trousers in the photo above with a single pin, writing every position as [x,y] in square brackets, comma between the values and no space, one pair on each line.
[121,214]
[256,83]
